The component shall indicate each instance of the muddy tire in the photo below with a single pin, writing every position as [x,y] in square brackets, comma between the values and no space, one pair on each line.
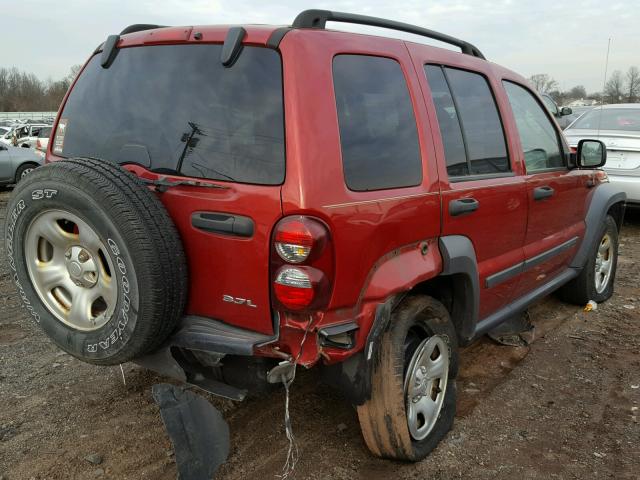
[96,260]
[596,280]
[413,395]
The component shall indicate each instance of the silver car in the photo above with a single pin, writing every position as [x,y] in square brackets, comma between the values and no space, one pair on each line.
[16,163]
[618,126]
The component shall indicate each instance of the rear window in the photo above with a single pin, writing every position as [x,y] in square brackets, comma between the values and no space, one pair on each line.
[175,109]
[627,119]
[378,132]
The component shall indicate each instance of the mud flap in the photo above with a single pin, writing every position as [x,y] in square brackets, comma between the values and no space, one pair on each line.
[516,331]
[199,434]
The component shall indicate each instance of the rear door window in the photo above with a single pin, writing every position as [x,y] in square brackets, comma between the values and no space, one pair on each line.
[378,132]
[175,109]
[469,122]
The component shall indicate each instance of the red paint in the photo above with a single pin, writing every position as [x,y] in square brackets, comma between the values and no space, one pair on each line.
[375,240]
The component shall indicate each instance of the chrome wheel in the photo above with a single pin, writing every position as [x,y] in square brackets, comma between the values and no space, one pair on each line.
[71,269]
[604,263]
[425,385]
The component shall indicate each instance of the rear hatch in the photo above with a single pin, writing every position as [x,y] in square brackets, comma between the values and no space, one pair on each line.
[173,113]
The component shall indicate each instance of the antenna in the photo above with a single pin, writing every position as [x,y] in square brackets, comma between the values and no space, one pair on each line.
[604,84]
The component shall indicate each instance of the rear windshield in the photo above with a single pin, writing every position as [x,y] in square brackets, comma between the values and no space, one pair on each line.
[627,119]
[175,109]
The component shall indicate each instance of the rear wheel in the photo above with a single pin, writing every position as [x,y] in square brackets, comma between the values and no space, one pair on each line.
[413,396]
[595,281]
[96,260]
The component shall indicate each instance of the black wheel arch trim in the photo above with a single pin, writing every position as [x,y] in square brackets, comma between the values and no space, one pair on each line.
[605,196]
[459,260]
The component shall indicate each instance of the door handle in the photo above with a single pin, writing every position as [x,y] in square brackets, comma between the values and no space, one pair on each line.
[223,223]
[540,193]
[463,205]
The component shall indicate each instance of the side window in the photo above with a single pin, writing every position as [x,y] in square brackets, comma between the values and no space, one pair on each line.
[469,122]
[538,136]
[378,132]
[454,151]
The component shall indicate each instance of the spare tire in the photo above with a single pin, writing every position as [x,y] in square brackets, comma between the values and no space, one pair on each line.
[96,259]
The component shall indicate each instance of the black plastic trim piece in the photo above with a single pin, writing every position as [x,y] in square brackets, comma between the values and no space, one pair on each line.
[223,223]
[232,46]
[504,275]
[552,252]
[542,193]
[140,27]
[461,206]
[480,176]
[492,321]
[326,333]
[319,18]
[276,37]
[604,197]
[459,258]
[109,50]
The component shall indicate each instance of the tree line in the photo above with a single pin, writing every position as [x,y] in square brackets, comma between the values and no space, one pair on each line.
[24,92]
[619,88]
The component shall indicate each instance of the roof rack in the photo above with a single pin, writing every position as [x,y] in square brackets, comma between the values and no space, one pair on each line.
[319,18]
[140,27]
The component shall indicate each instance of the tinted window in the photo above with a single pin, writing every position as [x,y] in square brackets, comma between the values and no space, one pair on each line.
[469,123]
[176,109]
[481,125]
[538,137]
[452,140]
[378,131]
[627,119]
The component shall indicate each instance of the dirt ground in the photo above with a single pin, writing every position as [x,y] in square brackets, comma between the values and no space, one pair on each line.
[565,407]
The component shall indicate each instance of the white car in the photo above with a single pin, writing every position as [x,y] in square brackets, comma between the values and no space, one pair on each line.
[27,135]
[618,126]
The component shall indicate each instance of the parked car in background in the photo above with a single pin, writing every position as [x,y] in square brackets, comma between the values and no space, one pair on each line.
[16,163]
[577,112]
[560,114]
[618,126]
[4,131]
[27,135]
[43,141]
[5,138]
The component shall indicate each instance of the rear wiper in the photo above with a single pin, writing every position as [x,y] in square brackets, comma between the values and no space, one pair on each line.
[163,184]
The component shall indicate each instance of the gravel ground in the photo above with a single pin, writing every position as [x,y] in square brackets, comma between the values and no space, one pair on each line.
[565,407]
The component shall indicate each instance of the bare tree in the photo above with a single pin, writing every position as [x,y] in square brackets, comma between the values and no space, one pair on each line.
[613,89]
[21,91]
[543,82]
[577,93]
[633,84]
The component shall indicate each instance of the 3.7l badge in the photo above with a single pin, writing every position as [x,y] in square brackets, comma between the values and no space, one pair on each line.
[238,301]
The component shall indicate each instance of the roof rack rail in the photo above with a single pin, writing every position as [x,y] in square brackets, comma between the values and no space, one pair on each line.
[140,27]
[319,18]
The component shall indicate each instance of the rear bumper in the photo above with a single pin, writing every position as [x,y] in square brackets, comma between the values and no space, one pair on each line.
[629,184]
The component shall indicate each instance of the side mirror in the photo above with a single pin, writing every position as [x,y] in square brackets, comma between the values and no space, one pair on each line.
[591,154]
[565,111]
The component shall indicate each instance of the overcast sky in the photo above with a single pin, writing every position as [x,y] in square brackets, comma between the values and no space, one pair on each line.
[566,39]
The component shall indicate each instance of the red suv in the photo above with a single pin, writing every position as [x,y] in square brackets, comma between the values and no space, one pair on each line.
[221,204]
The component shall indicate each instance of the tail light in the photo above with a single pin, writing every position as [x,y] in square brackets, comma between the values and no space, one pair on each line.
[301,264]
[573,149]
